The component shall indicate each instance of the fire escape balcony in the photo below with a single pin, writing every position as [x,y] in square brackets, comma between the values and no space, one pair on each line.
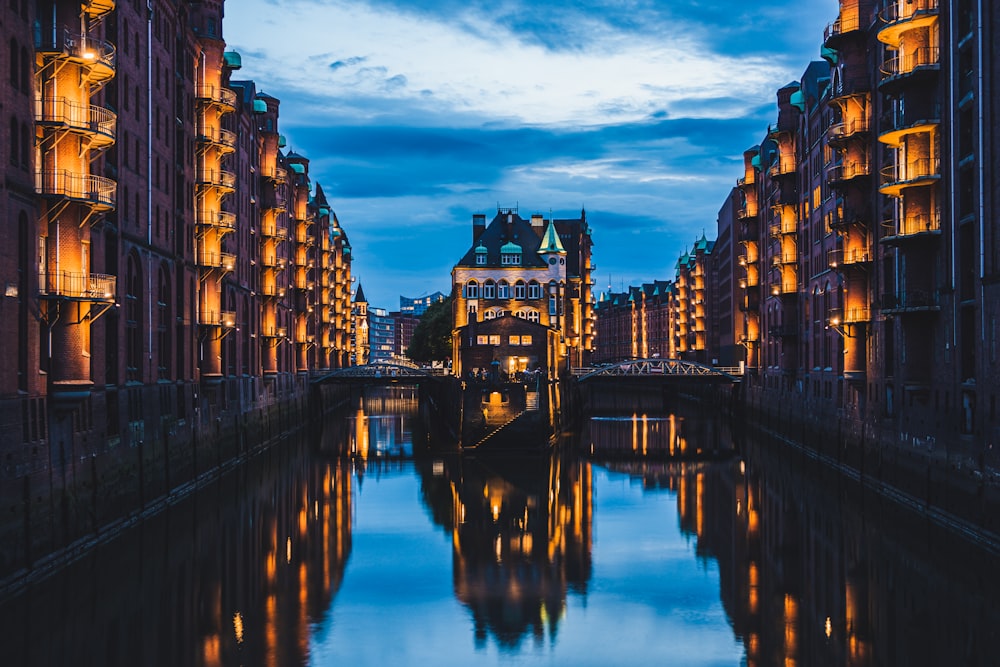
[96,287]
[842,259]
[272,290]
[746,259]
[223,141]
[841,175]
[224,181]
[782,166]
[222,98]
[910,301]
[909,174]
[97,124]
[897,124]
[212,318]
[223,221]
[222,261]
[783,258]
[96,9]
[276,175]
[837,317]
[273,262]
[784,288]
[275,332]
[96,58]
[95,191]
[912,227]
[901,16]
[839,133]
[901,70]
[782,228]
[746,211]
[748,180]
[842,29]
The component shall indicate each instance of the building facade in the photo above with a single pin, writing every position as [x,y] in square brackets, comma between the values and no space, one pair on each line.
[537,270]
[169,259]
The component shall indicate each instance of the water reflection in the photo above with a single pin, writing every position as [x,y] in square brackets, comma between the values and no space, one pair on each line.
[545,559]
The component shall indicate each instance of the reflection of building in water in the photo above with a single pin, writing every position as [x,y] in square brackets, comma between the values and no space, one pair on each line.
[382,425]
[521,541]
[644,435]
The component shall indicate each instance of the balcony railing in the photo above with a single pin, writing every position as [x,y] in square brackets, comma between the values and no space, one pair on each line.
[223,220]
[223,139]
[853,315]
[897,123]
[921,171]
[910,300]
[900,16]
[780,259]
[841,173]
[782,166]
[842,26]
[276,174]
[783,227]
[217,178]
[848,257]
[749,179]
[218,95]
[96,56]
[83,286]
[97,191]
[100,123]
[925,57]
[213,318]
[846,129]
[912,225]
[216,260]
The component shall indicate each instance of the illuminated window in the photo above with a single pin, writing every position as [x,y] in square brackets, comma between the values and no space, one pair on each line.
[495,340]
[503,290]
[519,289]
[534,290]
[526,340]
[482,340]
[472,290]
[489,290]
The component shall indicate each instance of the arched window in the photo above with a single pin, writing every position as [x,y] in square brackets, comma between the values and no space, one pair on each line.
[489,290]
[503,290]
[133,317]
[15,142]
[519,289]
[534,290]
[472,290]
[531,315]
[25,146]
[14,64]
[25,71]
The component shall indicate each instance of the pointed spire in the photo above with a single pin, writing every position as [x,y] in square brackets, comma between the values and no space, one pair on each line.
[359,296]
[550,242]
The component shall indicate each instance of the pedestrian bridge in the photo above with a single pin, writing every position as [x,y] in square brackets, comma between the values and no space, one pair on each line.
[377,373]
[661,369]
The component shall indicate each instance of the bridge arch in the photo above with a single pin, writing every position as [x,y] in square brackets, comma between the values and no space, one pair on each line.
[376,371]
[659,368]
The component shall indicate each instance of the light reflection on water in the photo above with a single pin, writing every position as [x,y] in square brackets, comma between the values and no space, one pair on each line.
[658,550]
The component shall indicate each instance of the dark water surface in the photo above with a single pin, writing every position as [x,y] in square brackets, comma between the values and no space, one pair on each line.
[677,555]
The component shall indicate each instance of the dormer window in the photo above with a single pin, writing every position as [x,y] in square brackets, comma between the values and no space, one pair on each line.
[480,255]
[510,255]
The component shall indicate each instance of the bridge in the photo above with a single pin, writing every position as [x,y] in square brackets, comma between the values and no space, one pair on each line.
[661,369]
[377,373]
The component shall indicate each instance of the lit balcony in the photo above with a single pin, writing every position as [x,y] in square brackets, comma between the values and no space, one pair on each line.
[216,178]
[222,140]
[781,259]
[77,286]
[749,179]
[843,27]
[746,211]
[275,332]
[224,221]
[217,96]
[917,226]
[842,258]
[843,174]
[843,131]
[210,259]
[900,69]
[747,259]
[97,124]
[96,57]
[914,173]
[782,166]
[272,262]
[276,175]
[212,318]
[784,288]
[96,191]
[273,290]
[850,87]
[902,16]
[838,317]
[899,124]
[782,227]
[96,9]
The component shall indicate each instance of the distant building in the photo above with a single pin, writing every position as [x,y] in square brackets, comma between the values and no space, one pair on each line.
[405,325]
[381,335]
[359,314]
[635,324]
[418,306]
[537,270]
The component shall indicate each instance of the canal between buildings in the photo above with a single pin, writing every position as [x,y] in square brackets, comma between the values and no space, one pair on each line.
[647,539]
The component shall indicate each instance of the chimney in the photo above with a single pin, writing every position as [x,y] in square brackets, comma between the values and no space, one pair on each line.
[478,225]
[537,222]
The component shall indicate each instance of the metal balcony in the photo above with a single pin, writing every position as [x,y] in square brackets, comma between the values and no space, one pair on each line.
[838,133]
[919,226]
[901,70]
[847,258]
[842,174]
[77,286]
[210,259]
[96,191]
[913,173]
[910,301]
[222,140]
[222,220]
[223,98]
[97,124]
[97,58]
[212,318]
[783,166]
[902,16]
[844,27]
[217,178]
[897,124]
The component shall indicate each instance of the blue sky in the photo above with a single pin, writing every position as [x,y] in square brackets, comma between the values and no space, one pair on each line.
[415,114]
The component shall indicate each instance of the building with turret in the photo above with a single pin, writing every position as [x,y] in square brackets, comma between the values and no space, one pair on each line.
[535,271]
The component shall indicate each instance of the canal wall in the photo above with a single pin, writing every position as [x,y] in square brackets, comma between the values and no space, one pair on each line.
[83,482]
[954,480]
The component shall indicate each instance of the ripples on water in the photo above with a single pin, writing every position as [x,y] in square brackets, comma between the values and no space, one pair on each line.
[658,546]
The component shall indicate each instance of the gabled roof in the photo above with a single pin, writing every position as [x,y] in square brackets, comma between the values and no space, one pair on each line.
[551,243]
[359,296]
[517,235]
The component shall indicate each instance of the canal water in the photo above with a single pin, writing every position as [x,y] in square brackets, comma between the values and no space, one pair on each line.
[649,539]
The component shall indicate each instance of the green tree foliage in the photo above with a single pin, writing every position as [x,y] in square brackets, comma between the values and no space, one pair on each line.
[432,337]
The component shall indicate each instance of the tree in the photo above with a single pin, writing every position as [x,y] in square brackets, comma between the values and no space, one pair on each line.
[432,336]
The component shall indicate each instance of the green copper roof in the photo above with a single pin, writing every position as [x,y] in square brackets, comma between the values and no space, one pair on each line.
[232,59]
[509,249]
[829,55]
[298,168]
[481,249]
[798,100]
[259,106]
[755,161]
[551,242]
[281,141]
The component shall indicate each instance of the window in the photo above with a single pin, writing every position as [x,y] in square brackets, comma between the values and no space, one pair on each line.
[481,258]
[514,340]
[489,290]
[503,290]
[519,289]
[495,340]
[534,290]
[510,259]
[490,314]
[15,141]
[472,290]
[532,316]
[526,340]
[482,340]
